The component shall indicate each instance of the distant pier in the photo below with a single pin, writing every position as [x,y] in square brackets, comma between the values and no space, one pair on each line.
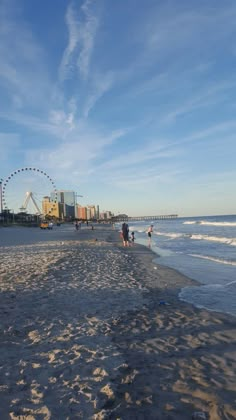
[125,218]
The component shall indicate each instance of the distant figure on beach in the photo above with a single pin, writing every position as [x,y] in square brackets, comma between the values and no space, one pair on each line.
[149,232]
[50,225]
[125,233]
[132,237]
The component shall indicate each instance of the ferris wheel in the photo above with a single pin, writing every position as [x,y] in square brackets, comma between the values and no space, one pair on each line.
[25,189]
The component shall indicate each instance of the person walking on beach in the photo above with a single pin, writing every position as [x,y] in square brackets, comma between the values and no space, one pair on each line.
[125,233]
[149,232]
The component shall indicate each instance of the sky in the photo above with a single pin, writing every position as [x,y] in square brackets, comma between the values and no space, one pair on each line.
[129,103]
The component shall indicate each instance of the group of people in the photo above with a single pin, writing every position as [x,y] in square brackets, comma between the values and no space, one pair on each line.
[126,238]
[77,225]
[125,235]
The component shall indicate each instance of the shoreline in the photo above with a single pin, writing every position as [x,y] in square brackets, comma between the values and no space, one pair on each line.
[85,333]
[196,282]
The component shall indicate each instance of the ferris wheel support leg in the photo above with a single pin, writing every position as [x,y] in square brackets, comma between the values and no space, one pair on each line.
[24,206]
[36,206]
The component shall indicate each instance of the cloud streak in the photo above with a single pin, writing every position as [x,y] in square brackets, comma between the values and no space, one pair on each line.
[22,61]
[100,85]
[131,101]
[82,27]
[87,34]
[79,155]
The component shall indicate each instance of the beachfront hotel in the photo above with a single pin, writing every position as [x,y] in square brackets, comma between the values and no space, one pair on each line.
[66,200]
[87,212]
[50,209]
[65,207]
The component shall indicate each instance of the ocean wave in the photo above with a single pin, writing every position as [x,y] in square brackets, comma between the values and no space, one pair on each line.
[206,223]
[230,283]
[193,222]
[218,260]
[220,239]
[199,237]
[218,223]
[171,235]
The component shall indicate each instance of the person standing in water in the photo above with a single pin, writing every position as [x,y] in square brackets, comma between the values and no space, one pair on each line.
[132,238]
[149,232]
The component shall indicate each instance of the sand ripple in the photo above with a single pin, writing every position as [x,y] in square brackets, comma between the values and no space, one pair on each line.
[83,336]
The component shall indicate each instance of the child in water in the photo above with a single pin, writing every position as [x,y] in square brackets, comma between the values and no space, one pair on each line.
[132,237]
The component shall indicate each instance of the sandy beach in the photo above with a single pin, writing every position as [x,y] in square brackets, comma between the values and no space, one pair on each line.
[94,330]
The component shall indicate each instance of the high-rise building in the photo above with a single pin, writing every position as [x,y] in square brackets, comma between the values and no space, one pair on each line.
[67,203]
[92,210]
[106,215]
[50,208]
[82,212]
[88,213]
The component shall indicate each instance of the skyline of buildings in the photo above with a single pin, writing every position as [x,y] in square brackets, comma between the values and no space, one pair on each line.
[62,204]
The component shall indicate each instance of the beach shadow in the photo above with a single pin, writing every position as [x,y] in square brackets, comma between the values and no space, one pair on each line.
[178,361]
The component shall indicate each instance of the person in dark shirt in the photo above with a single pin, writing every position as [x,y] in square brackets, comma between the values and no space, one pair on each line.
[125,233]
[149,232]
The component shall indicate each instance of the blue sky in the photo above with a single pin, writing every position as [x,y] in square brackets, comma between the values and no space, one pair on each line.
[129,103]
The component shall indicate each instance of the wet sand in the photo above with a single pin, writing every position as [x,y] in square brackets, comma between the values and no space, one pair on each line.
[92,330]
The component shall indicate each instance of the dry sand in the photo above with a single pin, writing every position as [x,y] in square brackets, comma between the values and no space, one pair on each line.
[83,335]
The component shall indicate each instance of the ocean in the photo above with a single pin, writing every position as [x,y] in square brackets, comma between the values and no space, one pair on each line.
[202,248]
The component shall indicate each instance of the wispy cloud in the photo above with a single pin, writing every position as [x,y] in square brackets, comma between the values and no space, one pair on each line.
[67,64]
[88,37]
[208,96]
[22,60]
[147,179]
[179,27]
[79,155]
[160,76]
[9,142]
[99,86]
[10,151]
[215,130]
[82,27]
[149,152]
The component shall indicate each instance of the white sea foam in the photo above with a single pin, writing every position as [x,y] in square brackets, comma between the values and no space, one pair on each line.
[199,237]
[229,284]
[220,239]
[218,260]
[192,222]
[205,222]
[218,223]
[172,235]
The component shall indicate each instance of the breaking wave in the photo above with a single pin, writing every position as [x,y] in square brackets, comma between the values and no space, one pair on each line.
[218,260]
[205,222]
[222,240]
[199,237]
